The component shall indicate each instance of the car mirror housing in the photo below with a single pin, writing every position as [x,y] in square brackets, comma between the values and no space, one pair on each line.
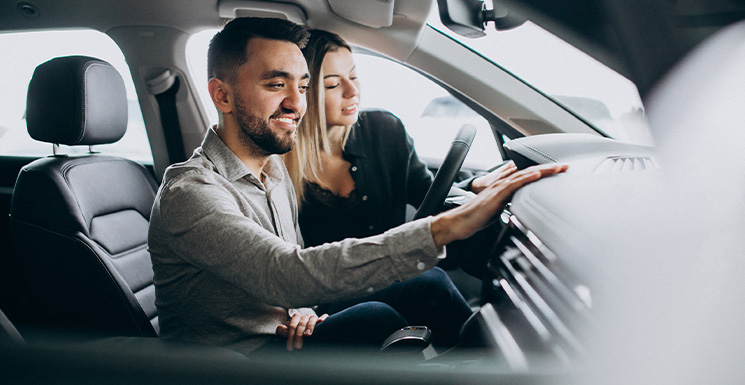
[469,17]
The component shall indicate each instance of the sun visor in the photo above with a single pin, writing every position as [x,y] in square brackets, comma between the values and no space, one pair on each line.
[370,13]
[230,9]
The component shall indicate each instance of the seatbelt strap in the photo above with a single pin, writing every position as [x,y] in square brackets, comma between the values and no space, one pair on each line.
[164,87]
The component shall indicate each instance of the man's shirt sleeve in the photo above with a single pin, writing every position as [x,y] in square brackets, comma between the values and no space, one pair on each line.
[203,223]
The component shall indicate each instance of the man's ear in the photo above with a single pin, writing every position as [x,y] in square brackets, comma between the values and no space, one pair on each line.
[220,94]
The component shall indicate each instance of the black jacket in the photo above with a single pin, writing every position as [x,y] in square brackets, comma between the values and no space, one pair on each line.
[387,174]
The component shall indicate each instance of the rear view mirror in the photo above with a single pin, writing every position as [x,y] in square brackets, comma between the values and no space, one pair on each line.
[462,16]
[469,17]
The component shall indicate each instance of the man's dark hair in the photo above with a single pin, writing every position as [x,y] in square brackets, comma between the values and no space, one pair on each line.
[227,50]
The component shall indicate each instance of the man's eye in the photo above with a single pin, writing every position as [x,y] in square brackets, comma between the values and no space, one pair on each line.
[303,89]
[276,85]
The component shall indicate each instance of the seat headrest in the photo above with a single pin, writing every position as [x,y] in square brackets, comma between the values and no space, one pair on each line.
[76,100]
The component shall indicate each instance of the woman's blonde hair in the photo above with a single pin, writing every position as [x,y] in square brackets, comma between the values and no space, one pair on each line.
[304,161]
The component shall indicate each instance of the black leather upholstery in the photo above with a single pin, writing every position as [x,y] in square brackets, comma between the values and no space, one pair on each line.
[76,100]
[80,222]
[8,333]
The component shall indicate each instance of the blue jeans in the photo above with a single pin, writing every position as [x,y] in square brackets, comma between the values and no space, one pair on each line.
[430,299]
[360,328]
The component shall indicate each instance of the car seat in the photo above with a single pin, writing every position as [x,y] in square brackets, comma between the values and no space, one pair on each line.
[8,333]
[79,222]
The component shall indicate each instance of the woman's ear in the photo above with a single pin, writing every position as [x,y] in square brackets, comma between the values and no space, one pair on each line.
[220,94]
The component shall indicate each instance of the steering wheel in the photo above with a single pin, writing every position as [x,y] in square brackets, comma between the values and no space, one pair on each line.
[447,172]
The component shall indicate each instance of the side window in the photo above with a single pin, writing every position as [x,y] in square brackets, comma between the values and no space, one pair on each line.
[431,115]
[196,56]
[33,48]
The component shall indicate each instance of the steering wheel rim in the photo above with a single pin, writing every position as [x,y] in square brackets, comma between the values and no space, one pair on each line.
[447,172]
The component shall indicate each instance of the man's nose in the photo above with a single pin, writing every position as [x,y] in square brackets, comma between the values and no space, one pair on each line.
[294,101]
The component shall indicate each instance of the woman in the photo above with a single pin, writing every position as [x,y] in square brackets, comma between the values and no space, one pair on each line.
[354,172]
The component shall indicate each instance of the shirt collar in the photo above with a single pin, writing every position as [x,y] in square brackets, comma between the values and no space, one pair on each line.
[354,146]
[232,168]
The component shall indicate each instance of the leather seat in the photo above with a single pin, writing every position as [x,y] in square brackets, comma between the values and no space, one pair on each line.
[8,333]
[80,222]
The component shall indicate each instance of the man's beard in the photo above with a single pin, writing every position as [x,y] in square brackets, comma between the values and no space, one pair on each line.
[255,132]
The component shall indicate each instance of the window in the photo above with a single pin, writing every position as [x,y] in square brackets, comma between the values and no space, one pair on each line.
[431,115]
[196,56]
[567,75]
[33,48]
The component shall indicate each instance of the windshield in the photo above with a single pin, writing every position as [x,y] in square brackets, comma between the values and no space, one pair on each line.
[573,79]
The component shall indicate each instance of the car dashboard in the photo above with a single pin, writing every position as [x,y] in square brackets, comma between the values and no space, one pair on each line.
[560,239]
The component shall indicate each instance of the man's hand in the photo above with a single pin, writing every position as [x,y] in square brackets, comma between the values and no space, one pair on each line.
[482,182]
[462,222]
[298,326]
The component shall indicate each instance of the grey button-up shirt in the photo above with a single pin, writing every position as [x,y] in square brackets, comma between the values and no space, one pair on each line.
[228,258]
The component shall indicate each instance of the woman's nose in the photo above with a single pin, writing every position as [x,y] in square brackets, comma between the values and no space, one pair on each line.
[350,89]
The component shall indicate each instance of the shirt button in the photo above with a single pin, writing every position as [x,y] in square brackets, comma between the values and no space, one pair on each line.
[370,290]
[420,265]
[364,197]
[354,168]
[371,227]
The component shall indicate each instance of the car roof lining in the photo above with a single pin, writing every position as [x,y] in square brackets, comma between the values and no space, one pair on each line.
[614,32]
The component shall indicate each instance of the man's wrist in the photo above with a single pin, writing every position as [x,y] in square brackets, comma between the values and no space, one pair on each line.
[441,227]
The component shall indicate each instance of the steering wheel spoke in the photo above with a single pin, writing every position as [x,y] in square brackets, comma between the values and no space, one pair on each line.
[447,173]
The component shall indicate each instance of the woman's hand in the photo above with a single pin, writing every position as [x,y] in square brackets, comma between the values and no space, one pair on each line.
[297,327]
[482,182]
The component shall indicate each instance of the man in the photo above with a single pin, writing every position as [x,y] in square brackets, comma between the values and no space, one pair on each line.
[227,253]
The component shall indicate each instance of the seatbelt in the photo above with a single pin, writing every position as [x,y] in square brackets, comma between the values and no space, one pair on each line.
[164,87]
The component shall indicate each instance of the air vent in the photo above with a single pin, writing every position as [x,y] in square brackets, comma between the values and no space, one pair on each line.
[540,305]
[624,164]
